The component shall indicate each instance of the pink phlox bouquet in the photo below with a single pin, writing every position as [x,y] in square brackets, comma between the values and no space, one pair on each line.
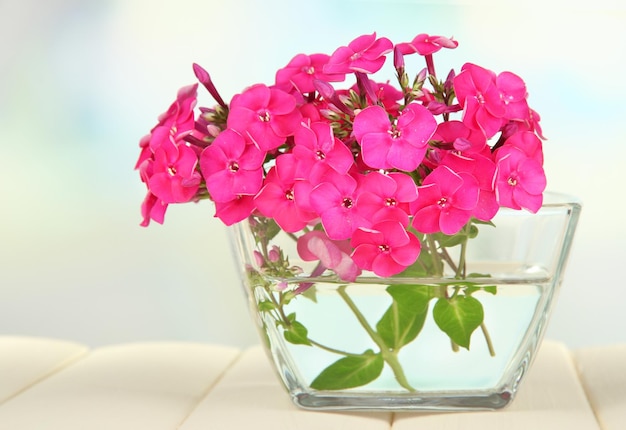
[358,173]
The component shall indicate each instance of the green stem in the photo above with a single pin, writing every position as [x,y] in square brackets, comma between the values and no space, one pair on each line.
[446,257]
[282,317]
[432,247]
[492,351]
[333,350]
[279,308]
[292,236]
[460,270]
[390,356]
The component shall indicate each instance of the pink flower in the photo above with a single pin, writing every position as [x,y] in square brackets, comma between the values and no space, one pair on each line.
[145,151]
[319,150]
[336,202]
[364,54]
[152,208]
[483,169]
[400,144]
[525,141]
[424,44]
[456,135]
[175,123]
[277,199]
[179,116]
[531,123]
[311,111]
[302,70]
[445,202]
[334,255]
[231,167]
[386,248]
[519,181]
[478,93]
[387,196]
[234,210]
[513,93]
[174,177]
[266,115]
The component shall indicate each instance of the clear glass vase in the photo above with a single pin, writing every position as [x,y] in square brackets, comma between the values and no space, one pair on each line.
[459,339]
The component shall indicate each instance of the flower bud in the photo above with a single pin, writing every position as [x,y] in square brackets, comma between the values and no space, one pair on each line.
[398,59]
[205,79]
[328,93]
[436,108]
[449,82]
[404,80]
[421,76]
[213,130]
[274,254]
[258,258]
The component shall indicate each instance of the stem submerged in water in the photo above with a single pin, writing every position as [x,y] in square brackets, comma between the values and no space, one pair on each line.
[390,356]
[492,351]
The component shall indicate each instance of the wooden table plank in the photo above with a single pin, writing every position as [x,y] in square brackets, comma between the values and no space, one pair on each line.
[137,386]
[551,397]
[25,361]
[249,397]
[602,372]
[48,383]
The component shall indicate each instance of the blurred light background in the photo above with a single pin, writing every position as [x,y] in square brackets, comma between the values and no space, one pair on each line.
[82,81]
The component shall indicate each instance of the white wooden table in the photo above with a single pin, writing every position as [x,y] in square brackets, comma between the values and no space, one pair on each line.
[54,384]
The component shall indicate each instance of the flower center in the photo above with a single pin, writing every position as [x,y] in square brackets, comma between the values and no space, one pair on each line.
[171,170]
[264,116]
[308,70]
[480,98]
[383,248]
[512,181]
[443,202]
[233,166]
[289,194]
[347,203]
[391,201]
[394,132]
[319,154]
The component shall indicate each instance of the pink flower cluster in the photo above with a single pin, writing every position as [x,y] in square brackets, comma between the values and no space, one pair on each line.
[375,164]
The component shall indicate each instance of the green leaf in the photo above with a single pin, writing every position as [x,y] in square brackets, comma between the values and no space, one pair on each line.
[310,293]
[297,334]
[473,231]
[404,319]
[423,267]
[266,306]
[349,372]
[272,229]
[477,221]
[458,318]
[264,229]
[448,241]
[491,289]
[478,275]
